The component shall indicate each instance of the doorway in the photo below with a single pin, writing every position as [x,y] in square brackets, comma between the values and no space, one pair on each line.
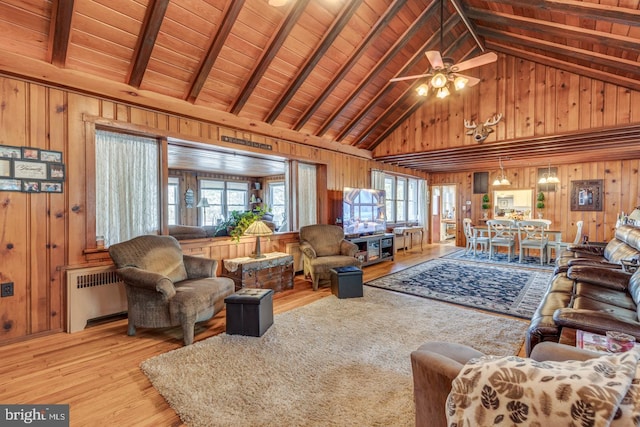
[443,214]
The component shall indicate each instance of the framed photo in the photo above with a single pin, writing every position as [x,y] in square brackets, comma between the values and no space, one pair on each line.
[587,195]
[10,152]
[51,156]
[51,187]
[29,170]
[29,186]
[10,185]
[30,153]
[5,168]
[56,171]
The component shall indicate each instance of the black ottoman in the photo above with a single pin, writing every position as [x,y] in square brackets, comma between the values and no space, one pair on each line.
[346,282]
[249,312]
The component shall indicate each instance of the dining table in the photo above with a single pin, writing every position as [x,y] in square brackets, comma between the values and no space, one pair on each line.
[483,230]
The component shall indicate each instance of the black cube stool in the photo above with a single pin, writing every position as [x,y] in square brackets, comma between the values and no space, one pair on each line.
[346,282]
[249,312]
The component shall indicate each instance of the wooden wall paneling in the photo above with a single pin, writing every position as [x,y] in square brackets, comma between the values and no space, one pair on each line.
[585,103]
[37,285]
[57,212]
[80,133]
[634,115]
[610,97]
[550,101]
[597,103]
[524,80]
[573,102]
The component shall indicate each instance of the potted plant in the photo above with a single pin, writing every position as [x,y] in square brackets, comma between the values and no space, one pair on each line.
[238,222]
[485,205]
[540,203]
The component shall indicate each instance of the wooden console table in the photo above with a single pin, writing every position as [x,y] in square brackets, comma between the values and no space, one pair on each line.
[274,271]
[409,232]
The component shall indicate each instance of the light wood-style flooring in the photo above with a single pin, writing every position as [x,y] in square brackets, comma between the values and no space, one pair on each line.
[96,371]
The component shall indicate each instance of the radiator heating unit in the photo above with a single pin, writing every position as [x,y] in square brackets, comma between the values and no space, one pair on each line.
[92,293]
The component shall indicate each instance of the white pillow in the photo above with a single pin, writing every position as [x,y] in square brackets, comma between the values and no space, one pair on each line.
[515,391]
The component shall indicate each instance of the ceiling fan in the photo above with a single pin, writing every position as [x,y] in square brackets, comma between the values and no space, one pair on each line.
[443,73]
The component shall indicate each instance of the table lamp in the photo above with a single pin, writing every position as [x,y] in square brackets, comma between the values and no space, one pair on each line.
[204,204]
[258,229]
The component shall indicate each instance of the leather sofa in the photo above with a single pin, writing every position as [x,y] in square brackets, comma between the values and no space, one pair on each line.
[591,291]
[624,246]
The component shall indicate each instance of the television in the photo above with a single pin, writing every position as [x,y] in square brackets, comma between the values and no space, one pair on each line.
[363,211]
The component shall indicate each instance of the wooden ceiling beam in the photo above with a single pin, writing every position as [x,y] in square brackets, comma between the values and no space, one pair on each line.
[217,43]
[146,40]
[373,34]
[581,10]
[560,49]
[564,65]
[339,24]
[555,29]
[381,65]
[269,54]
[60,30]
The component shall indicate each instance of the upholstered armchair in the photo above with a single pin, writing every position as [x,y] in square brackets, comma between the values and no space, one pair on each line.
[166,288]
[324,247]
[436,364]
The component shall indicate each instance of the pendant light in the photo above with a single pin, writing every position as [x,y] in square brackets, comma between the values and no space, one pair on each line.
[502,178]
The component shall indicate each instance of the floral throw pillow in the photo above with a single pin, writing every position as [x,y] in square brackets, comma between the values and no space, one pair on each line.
[512,391]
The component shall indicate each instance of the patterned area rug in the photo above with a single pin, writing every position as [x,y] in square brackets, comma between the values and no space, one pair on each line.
[507,290]
[501,258]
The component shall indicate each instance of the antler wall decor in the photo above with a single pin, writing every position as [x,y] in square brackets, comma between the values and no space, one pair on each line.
[481,132]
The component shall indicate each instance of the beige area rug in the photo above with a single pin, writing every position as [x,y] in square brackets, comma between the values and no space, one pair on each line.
[335,362]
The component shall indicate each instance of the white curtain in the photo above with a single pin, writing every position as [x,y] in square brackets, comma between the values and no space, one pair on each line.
[307,195]
[377,179]
[127,186]
[423,203]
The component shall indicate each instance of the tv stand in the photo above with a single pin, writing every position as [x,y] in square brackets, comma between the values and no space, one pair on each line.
[374,248]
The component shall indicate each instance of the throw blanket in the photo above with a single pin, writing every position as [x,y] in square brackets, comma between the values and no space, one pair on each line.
[512,391]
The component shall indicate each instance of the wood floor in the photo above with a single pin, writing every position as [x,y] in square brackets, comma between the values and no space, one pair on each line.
[96,371]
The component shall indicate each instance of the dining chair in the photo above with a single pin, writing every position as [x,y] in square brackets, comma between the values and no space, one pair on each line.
[502,233]
[473,239]
[532,235]
[558,245]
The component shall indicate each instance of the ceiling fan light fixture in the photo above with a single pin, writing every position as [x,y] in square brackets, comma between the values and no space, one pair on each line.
[439,80]
[423,89]
[443,92]
[460,82]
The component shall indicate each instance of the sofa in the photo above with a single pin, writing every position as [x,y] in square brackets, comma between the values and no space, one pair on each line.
[435,365]
[625,245]
[593,289]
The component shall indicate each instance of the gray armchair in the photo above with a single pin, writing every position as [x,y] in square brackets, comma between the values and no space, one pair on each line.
[166,288]
[324,247]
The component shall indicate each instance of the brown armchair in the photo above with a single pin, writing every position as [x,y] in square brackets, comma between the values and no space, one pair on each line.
[436,364]
[166,288]
[324,247]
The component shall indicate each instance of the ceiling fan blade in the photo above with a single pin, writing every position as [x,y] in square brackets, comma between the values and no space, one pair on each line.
[415,76]
[485,59]
[472,80]
[435,59]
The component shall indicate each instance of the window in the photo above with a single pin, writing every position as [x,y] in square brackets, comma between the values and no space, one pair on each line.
[276,202]
[223,197]
[127,186]
[173,200]
[403,199]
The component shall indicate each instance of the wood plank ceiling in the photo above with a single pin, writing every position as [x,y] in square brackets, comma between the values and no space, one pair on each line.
[320,67]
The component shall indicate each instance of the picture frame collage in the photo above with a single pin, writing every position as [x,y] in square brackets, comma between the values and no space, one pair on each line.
[31,170]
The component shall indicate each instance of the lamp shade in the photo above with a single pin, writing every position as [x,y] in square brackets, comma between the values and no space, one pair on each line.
[203,203]
[258,228]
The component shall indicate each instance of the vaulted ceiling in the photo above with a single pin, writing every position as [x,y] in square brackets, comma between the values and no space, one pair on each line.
[319,67]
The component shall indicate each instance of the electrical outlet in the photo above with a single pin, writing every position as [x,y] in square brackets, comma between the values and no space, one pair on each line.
[6,289]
